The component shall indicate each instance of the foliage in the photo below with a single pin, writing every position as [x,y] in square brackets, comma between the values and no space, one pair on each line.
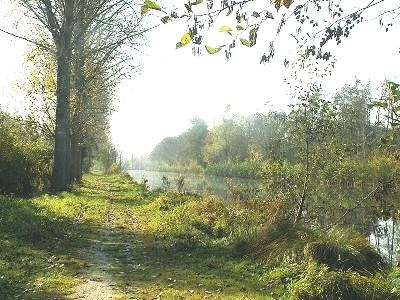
[311,126]
[339,249]
[282,177]
[168,150]
[234,147]
[25,158]
[318,282]
[313,25]
[189,167]
[245,169]
[344,249]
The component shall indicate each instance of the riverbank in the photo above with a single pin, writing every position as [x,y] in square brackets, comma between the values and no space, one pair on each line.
[113,237]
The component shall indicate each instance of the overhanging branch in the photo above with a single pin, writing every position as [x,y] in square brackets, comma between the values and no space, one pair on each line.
[27,40]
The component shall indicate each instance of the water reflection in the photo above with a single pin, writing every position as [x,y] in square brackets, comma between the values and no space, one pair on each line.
[195,183]
[385,237]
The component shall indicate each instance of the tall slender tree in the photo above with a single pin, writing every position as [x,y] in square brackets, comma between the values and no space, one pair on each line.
[81,32]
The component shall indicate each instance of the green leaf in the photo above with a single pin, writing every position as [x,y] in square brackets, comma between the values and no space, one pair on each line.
[255,14]
[225,29]
[144,9]
[165,19]
[179,45]
[238,27]
[199,1]
[186,39]
[212,50]
[152,5]
[245,42]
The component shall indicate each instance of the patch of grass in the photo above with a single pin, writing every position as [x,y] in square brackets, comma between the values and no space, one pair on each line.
[33,247]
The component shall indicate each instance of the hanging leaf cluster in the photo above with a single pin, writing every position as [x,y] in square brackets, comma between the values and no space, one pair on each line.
[148,5]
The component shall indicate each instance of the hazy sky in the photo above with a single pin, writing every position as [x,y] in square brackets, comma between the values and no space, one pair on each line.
[173,86]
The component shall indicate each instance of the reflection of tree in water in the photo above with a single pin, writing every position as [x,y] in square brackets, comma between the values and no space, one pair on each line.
[385,237]
[180,182]
[165,182]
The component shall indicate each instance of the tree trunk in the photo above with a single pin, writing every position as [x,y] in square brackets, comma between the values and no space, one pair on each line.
[305,185]
[62,146]
[76,161]
[303,199]
[79,88]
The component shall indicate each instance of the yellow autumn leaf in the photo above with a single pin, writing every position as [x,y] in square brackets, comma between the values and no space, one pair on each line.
[225,29]
[186,39]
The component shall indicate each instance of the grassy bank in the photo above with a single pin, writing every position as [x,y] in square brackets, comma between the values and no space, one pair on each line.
[171,245]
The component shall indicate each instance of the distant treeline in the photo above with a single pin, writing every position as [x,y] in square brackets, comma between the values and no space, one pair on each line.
[324,133]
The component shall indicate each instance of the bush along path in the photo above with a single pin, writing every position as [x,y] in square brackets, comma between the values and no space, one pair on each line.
[112,238]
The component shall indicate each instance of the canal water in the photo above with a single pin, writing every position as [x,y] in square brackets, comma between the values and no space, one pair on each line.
[194,183]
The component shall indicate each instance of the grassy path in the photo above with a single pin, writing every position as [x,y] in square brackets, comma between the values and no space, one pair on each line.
[111,238]
[105,240]
[97,279]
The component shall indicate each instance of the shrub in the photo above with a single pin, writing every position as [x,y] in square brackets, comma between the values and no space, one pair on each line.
[213,216]
[25,158]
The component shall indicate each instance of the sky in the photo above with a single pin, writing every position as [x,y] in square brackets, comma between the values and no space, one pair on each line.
[172,86]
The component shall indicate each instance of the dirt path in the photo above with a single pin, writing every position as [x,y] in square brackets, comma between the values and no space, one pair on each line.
[97,283]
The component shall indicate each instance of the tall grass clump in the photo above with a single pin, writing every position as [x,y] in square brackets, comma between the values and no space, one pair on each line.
[339,249]
[319,282]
